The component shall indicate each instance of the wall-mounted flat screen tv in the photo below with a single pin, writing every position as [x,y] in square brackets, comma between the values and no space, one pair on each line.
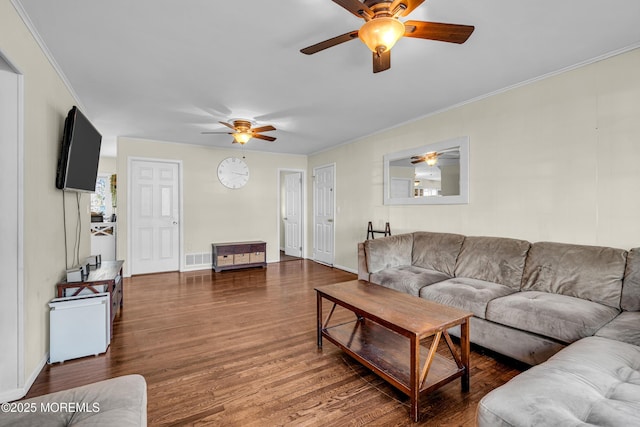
[80,154]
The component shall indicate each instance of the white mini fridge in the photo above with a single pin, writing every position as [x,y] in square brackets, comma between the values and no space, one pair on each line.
[79,326]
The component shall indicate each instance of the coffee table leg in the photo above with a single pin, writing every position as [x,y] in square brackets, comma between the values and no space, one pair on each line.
[465,349]
[414,385]
[319,318]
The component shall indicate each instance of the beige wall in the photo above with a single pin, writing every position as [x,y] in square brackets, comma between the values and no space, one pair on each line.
[107,165]
[555,160]
[212,212]
[46,103]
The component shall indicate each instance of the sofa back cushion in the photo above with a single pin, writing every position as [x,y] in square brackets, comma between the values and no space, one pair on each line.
[436,251]
[631,284]
[493,259]
[387,252]
[593,273]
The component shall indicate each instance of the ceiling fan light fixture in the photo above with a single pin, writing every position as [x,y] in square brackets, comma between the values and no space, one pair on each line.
[242,137]
[380,34]
[431,159]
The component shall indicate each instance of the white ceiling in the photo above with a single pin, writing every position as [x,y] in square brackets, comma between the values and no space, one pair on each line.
[168,70]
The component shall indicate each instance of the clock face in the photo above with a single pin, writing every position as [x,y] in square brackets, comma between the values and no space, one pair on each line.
[233,172]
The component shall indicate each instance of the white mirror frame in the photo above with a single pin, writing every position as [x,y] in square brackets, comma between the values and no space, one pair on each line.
[462,198]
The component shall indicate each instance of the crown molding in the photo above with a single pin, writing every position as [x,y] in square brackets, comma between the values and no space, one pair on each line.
[45,50]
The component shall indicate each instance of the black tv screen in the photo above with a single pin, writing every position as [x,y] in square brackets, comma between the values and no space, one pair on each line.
[80,154]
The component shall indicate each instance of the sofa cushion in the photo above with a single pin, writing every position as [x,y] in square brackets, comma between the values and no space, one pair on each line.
[630,300]
[390,251]
[594,381]
[120,401]
[557,316]
[436,251]
[592,273]
[625,328]
[407,279]
[466,294]
[494,259]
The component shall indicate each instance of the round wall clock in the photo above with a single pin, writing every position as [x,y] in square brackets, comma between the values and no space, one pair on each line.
[233,172]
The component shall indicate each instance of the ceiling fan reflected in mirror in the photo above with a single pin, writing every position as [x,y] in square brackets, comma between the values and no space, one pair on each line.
[382,29]
[430,159]
[243,131]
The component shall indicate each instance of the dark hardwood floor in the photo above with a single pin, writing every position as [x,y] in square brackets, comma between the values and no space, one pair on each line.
[238,348]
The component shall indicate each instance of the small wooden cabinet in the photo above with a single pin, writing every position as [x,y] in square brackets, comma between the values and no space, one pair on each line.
[232,255]
[105,278]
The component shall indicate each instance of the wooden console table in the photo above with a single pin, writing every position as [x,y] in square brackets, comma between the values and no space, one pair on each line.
[232,255]
[107,277]
[386,336]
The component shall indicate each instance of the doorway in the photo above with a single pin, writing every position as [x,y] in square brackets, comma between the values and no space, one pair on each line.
[324,214]
[155,200]
[12,381]
[291,214]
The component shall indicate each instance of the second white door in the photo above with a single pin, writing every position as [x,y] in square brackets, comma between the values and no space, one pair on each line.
[155,216]
[292,218]
[323,214]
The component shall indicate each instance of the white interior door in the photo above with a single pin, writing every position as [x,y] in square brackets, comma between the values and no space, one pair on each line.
[323,214]
[155,216]
[292,218]
[11,375]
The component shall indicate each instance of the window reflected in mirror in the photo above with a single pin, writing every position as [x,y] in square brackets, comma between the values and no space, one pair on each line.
[431,174]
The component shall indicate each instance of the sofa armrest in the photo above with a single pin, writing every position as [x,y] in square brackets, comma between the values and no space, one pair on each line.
[388,252]
[363,272]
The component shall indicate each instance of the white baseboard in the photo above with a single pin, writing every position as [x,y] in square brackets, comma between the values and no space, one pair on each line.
[11,395]
[341,267]
[195,268]
[19,393]
[209,267]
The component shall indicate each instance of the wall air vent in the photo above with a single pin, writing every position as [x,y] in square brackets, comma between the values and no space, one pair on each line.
[197,261]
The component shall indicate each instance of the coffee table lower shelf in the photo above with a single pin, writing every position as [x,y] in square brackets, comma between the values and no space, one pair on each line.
[386,353]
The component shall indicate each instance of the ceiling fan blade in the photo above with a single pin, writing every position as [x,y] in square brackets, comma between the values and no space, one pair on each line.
[417,161]
[356,7]
[381,62]
[265,137]
[409,6]
[227,125]
[218,132]
[330,43]
[452,33]
[263,129]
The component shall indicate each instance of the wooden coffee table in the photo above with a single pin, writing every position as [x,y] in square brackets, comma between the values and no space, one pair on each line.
[386,334]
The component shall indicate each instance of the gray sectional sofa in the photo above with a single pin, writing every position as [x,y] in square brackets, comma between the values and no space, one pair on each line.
[593,382]
[573,310]
[529,300]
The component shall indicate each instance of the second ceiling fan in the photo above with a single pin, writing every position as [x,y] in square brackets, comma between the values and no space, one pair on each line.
[382,29]
[243,131]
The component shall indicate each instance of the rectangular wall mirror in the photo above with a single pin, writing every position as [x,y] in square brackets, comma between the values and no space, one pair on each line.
[434,174]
